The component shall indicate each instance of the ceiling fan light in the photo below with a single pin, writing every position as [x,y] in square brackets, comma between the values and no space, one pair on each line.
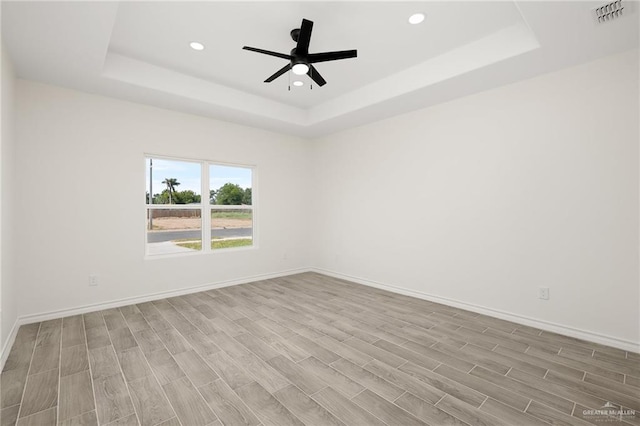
[300,69]
[416,18]
[196,45]
[298,83]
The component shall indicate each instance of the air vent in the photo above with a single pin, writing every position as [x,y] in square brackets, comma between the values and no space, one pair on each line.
[608,12]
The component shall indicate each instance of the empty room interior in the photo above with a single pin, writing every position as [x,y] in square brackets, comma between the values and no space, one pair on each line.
[320,213]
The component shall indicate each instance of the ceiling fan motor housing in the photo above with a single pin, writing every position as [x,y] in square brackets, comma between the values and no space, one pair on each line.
[296,59]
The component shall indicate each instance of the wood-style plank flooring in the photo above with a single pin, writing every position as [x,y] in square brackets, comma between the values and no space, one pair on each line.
[313,350]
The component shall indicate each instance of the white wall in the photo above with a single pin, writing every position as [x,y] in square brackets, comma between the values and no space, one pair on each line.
[7,282]
[79,170]
[484,199]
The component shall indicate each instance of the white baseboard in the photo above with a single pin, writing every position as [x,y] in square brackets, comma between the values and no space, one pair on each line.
[8,344]
[28,319]
[626,345]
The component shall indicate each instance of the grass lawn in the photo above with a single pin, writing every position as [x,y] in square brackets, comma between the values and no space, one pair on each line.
[218,244]
[246,215]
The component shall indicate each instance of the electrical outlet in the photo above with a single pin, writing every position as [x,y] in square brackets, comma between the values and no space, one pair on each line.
[543,293]
[93,280]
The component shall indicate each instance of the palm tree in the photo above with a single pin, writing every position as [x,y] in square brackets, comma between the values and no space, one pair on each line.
[171,187]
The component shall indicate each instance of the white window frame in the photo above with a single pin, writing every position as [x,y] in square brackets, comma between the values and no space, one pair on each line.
[205,207]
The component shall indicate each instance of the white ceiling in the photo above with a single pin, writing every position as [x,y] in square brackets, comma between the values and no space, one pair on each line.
[140,51]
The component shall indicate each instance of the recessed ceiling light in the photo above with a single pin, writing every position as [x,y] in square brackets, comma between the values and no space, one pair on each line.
[416,18]
[298,83]
[196,45]
[300,69]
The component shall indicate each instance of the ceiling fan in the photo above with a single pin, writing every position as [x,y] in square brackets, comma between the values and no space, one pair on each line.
[300,60]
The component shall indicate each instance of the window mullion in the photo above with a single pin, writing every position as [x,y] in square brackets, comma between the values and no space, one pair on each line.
[206,209]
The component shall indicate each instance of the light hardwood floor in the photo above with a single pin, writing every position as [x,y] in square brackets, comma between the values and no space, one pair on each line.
[308,349]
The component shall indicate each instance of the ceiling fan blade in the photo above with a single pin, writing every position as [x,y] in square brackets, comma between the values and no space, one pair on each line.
[268,52]
[315,76]
[278,73]
[332,56]
[304,37]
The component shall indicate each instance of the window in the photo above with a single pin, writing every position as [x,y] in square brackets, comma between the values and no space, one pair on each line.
[179,218]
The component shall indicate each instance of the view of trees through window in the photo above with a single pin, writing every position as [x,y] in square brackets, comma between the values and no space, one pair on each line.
[179,219]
